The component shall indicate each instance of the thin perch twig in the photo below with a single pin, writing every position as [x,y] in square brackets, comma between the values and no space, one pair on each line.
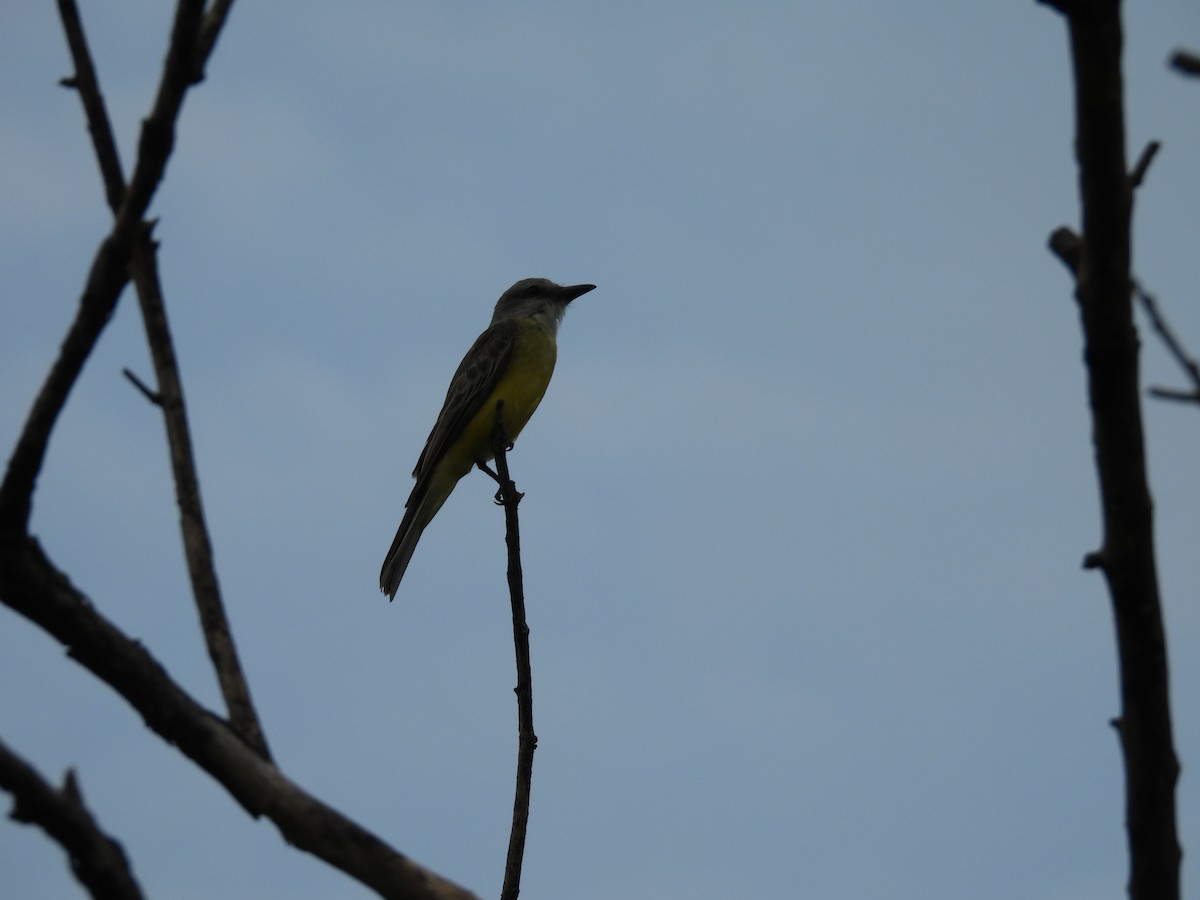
[509,497]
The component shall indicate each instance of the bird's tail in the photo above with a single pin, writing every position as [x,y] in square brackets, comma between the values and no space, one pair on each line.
[417,514]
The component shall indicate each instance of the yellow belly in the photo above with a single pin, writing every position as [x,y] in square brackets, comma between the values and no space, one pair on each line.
[521,386]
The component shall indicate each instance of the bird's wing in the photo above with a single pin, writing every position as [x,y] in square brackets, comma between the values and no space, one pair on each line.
[477,374]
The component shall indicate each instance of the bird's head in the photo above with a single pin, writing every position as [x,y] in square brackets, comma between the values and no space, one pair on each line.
[538,298]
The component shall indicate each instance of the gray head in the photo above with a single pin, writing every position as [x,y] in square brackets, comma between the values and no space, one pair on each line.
[538,298]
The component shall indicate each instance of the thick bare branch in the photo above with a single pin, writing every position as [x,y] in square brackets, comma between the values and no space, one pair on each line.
[97,860]
[33,587]
[1126,557]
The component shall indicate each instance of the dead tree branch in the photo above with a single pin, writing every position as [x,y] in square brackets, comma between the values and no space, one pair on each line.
[109,272]
[1103,286]
[169,397]
[97,860]
[509,497]
[233,753]
[86,83]
[32,586]
[196,543]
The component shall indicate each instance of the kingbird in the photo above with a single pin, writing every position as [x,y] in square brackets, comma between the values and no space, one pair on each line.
[512,361]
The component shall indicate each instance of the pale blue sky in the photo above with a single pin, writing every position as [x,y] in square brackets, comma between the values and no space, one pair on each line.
[806,501]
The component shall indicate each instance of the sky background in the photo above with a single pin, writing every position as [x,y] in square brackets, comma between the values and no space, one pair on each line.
[805,503]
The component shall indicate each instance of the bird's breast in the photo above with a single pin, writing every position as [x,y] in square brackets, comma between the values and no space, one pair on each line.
[524,382]
[520,385]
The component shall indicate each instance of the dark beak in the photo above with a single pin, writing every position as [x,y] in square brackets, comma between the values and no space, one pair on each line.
[569,292]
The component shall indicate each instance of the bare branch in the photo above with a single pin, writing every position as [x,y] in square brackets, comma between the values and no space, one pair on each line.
[97,860]
[1103,289]
[509,497]
[105,281]
[88,86]
[107,276]
[33,587]
[197,546]
[169,396]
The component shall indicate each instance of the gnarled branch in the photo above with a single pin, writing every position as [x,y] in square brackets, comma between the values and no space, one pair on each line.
[97,860]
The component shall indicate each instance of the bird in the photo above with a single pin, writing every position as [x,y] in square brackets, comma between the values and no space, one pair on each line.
[512,361]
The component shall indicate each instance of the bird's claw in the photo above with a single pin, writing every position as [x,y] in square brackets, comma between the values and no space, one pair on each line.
[499,496]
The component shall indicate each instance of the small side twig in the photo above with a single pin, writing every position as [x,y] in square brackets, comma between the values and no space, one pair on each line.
[149,393]
[1066,245]
[1163,393]
[210,30]
[1185,62]
[1174,346]
[509,497]
[1138,174]
[97,860]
